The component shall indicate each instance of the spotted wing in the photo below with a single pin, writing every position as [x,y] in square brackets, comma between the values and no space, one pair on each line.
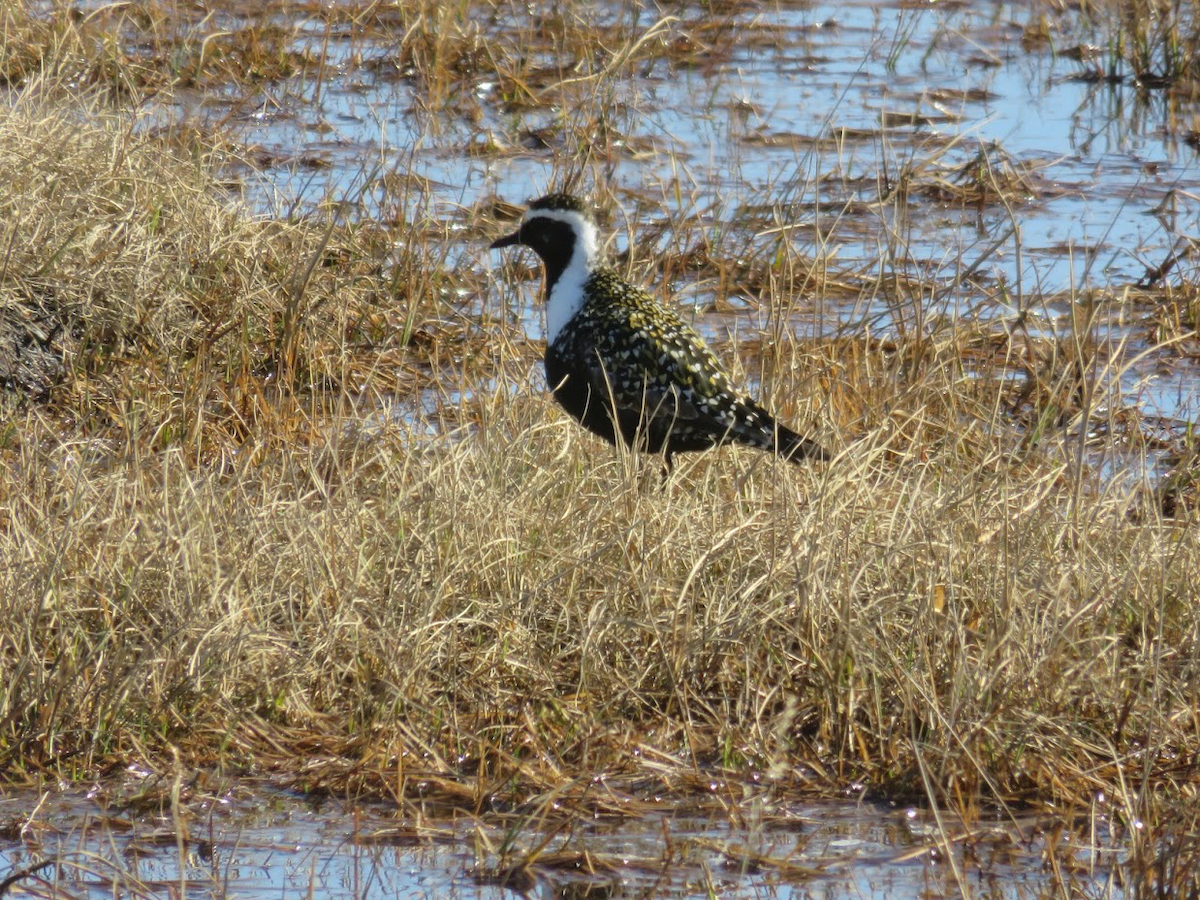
[655,366]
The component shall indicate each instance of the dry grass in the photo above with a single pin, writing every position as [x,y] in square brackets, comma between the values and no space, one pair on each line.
[1153,43]
[219,550]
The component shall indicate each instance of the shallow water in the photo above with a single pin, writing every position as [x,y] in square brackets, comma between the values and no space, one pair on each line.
[256,840]
[818,110]
[814,104]
[828,94]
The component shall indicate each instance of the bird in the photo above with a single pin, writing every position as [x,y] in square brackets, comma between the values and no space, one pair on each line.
[625,366]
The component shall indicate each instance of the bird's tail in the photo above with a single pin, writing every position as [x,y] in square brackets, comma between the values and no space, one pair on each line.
[795,447]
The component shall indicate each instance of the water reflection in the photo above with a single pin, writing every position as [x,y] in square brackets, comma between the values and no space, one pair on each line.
[254,840]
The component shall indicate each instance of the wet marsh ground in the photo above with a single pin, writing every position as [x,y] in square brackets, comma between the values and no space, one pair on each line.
[283,492]
[251,838]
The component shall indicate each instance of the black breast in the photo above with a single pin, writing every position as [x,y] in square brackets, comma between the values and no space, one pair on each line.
[574,393]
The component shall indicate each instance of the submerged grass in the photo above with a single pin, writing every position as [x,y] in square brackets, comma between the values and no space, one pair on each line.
[218,552]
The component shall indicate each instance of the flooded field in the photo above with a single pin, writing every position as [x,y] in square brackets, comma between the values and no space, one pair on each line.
[255,840]
[915,164]
[282,491]
[825,109]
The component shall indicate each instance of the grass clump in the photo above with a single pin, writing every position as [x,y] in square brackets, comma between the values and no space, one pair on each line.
[936,600]
[156,306]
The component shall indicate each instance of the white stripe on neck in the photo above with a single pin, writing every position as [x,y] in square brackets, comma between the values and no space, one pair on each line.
[566,297]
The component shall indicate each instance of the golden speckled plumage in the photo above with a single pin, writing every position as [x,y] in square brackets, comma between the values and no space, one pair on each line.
[627,367]
[647,346]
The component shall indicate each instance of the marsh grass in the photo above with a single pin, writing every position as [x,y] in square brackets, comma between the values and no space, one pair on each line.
[224,549]
[1156,43]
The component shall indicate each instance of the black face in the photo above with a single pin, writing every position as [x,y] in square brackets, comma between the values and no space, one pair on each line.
[552,240]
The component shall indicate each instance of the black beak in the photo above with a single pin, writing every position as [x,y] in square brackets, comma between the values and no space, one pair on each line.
[507,241]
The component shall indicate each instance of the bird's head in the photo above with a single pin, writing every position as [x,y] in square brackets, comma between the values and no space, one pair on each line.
[560,229]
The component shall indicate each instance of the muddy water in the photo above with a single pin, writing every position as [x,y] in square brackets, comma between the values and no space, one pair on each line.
[255,840]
